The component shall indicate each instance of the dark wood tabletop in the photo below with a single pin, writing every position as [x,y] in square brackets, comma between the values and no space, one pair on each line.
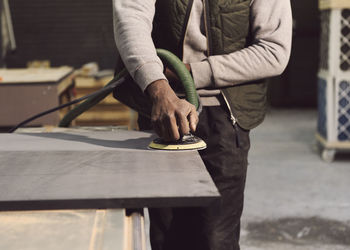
[79,169]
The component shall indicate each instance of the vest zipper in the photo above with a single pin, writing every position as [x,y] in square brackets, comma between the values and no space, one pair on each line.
[233,120]
[232,117]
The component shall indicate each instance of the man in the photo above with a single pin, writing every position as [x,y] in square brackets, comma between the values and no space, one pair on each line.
[228,45]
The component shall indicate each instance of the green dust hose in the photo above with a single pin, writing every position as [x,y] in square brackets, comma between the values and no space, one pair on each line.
[179,68]
[171,60]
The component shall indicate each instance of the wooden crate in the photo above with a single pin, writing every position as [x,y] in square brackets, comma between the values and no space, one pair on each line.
[29,91]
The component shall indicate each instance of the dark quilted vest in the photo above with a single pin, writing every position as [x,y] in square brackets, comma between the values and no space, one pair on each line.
[228,31]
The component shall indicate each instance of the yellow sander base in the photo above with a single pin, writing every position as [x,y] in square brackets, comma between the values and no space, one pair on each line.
[187,142]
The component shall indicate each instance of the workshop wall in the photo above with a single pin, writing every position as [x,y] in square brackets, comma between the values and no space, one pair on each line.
[75,32]
[297,86]
[63,31]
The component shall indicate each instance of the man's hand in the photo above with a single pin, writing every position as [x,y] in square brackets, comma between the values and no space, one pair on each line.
[171,116]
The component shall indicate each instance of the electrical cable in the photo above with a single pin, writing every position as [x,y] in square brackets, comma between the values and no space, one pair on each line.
[93,100]
[172,61]
[108,88]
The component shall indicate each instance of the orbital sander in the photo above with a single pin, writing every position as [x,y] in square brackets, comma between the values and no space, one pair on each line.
[127,91]
[187,142]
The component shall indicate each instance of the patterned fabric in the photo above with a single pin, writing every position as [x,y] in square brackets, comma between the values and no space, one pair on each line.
[322,110]
[345,40]
[344,111]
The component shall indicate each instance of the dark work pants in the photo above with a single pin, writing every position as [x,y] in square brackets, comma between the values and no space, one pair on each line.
[216,227]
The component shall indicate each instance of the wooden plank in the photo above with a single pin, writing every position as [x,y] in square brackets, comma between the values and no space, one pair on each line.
[86,82]
[109,107]
[108,100]
[333,145]
[104,115]
[108,112]
[137,239]
[65,83]
[334,4]
[114,233]
[85,129]
[98,170]
[123,123]
[34,75]
[65,229]
[92,82]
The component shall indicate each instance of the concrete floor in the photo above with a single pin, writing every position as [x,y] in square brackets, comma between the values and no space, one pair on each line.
[293,199]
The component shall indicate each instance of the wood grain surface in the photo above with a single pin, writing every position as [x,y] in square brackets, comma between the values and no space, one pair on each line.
[63,229]
[71,170]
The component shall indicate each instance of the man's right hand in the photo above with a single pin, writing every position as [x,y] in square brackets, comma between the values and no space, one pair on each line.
[171,116]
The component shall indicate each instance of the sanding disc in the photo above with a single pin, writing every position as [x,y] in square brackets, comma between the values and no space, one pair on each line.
[187,142]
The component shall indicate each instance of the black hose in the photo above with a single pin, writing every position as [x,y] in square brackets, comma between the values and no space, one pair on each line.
[93,100]
[109,87]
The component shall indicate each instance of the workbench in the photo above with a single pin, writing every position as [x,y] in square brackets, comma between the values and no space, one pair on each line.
[90,176]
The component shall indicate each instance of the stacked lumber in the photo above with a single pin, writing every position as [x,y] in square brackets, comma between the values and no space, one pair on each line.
[108,112]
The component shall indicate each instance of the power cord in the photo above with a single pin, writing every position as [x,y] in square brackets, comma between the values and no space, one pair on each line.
[105,90]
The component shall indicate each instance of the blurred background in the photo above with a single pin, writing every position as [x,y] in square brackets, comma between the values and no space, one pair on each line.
[73,33]
[77,32]
[54,51]
[41,34]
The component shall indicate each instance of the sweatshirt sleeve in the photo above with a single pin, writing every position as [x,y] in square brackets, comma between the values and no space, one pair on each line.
[132,32]
[271,26]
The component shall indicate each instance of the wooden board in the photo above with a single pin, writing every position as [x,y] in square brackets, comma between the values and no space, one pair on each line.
[33,75]
[345,145]
[107,112]
[65,229]
[334,4]
[92,82]
[71,170]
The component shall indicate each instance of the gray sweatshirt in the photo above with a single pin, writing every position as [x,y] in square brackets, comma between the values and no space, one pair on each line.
[271,22]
